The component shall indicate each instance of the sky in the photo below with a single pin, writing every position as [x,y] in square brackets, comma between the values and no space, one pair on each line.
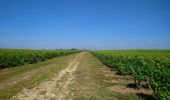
[85,24]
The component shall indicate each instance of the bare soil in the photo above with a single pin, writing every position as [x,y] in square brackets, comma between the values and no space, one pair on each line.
[56,87]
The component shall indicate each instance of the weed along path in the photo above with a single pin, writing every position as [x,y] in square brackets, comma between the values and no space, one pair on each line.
[74,77]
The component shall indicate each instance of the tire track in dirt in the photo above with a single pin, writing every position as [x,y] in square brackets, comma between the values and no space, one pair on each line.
[56,88]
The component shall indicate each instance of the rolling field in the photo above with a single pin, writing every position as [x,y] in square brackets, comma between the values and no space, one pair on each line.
[84,75]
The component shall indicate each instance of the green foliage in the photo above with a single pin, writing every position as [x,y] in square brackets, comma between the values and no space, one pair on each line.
[155,69]
[16,57]
[161,81]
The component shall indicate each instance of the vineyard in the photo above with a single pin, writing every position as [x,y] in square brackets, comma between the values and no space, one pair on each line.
[96,74]
[149,68]
[16,57]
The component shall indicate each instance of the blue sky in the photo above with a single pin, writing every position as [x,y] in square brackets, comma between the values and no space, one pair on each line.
[85,24]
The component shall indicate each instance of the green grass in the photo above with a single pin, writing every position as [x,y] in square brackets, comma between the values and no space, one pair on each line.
[91,83]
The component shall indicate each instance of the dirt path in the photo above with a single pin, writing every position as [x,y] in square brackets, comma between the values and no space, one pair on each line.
[56,88]
[79,76]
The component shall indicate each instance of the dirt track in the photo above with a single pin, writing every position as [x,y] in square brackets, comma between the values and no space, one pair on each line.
[56,87]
